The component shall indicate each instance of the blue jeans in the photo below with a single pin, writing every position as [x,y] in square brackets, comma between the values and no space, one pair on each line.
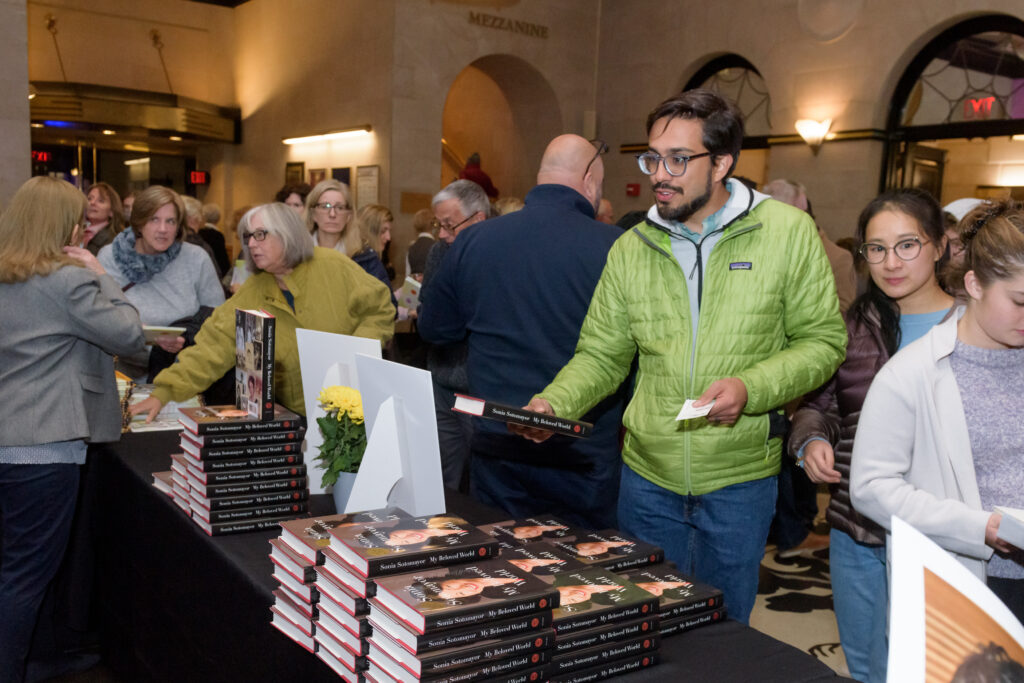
[454,432]
[860,594]
[718,537]
[37,504]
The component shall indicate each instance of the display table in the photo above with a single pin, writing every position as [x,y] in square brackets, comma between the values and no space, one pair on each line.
[175,604]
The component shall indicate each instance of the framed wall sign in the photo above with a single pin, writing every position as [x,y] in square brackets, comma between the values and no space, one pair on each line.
[294,172]
[367,185]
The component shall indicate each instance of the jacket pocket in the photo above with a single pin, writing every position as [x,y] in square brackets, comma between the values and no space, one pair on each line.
[91,383]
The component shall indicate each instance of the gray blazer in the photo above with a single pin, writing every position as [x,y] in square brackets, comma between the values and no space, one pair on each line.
[57,334]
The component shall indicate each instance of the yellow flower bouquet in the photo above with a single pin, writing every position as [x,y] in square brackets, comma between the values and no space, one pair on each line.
[344,432]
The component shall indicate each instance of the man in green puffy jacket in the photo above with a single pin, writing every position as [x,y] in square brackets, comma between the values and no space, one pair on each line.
[728,299]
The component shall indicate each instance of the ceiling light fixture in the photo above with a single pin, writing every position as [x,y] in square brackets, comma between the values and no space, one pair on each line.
[333,135]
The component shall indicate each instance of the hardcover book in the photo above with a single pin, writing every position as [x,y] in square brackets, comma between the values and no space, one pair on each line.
[297,611]
[345,627]
[346,648]
[493,670]
[591,637]
[677,593]
[619,667]
[250,501]
[295,585]
[341,572]
[239,451]
[396,546]
[309,536]
[601,655]
[532,530]
[416,643]
[597,597]
[519,416]
[541,560]
[331,589]
[242,439]
[439,661]
[671,627]
[243,463]
[235,515]
[610,549]
[337,666]
[453,597]
[241,527]
[254,363]
[296,565]
[164,483]
[231,420]
[233,490]
[245,476]
[292,630]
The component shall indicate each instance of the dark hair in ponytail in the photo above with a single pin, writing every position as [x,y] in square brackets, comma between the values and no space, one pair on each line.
[922,207]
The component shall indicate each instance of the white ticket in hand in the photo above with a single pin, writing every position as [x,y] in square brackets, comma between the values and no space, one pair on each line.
[688,412]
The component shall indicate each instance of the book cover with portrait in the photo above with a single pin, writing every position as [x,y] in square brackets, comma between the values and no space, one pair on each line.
[678,594]
[403,545]
[541,560]
[537,529]
[310,535]
[232,420]
[610,549]
[254,363]
[598,597]
[457,596]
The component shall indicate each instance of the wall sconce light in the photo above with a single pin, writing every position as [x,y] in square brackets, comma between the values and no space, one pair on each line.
[813,132]
[358,131]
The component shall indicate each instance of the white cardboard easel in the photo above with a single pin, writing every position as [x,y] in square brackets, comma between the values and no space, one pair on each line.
[326,359]
[402,463]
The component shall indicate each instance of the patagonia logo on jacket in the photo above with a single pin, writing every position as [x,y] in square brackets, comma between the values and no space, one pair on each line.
[741,265]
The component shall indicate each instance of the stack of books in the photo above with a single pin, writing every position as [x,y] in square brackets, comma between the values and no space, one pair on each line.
[237,473]
[683,602]
[310,606]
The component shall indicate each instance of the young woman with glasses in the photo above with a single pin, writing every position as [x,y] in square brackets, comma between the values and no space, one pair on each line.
[941,431]
[902,240]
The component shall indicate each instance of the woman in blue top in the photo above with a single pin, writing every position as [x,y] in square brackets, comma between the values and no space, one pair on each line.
[903,245]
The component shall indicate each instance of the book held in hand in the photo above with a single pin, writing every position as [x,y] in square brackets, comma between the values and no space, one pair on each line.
[254,363]
[404,545]
[458,596]
[519,416]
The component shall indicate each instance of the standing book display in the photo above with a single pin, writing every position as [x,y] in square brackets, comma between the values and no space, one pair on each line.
[254,363]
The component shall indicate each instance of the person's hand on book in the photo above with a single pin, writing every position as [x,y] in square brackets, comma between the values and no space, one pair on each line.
[534,434]
[151,406]
[992,534]
[820,462]
[170,343]
[729,395]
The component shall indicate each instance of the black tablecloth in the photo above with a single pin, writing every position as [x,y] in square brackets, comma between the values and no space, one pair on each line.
[175,604]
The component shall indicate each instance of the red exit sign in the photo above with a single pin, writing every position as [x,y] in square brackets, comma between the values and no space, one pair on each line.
[40,157]
[978,107]
[199,177]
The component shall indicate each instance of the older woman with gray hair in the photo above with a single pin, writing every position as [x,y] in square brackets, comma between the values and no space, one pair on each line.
[297,283]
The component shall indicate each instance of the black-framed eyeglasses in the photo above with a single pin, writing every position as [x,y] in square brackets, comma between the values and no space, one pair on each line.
[907,250]
[438,225]
[326,207]
[675,164]
[258,235]
[601,148]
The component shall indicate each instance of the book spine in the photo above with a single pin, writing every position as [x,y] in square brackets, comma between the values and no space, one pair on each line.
[675,626]
[559,425]
[619,667]
[490,670]
[692,607]
[384,566]
[232,476]
[485,631]
[226,528]
[246,489]
[583,620]
[263,511]
[596,656]
[269,341]
[510,647]
[245,463]
[251,451]
[226,427]
[491,611]
[622,563]
[257,500]
[588,638]
[221,440]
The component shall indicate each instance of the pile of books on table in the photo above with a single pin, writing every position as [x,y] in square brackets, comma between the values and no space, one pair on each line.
[237,473]
[434,599]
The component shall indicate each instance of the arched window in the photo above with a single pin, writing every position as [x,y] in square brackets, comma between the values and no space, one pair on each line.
[736,79]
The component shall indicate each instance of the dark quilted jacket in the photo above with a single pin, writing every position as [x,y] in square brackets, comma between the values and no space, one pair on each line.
[831,413]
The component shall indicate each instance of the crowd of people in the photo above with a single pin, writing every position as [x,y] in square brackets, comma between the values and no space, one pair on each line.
[889,374]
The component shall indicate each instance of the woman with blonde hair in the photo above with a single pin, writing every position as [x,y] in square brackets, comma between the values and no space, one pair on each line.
[375,223]
[330,221]
[62,318]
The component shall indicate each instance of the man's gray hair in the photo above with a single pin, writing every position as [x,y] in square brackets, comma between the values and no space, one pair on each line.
[471,197]
[786,191]
[281,221]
